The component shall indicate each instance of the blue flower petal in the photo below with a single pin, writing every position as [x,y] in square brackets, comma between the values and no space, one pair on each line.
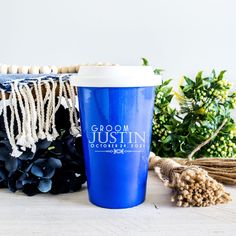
[3,155]
[11,164]
[39,161]
[45,185]
[48,172]
[35,170]
[4,151]
[27,155]
[43,144]
[55,163]
[27,169]
[5,143]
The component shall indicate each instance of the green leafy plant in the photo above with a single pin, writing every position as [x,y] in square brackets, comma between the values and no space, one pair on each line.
[164,121]
[164,118]
[205,103]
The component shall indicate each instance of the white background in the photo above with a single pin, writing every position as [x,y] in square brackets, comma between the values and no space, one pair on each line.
[180,36]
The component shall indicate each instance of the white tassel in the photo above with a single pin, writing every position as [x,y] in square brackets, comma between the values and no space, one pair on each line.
[15,151]
[12,119]
[38,110]
[23,148]
[33,112]
[29,140]
[48,91]
[21,137]
[60,93]
[74,99]
[74,130]
[48,112]
[55,134]
[21,141]
[33,148]
[15,107]
[41,134]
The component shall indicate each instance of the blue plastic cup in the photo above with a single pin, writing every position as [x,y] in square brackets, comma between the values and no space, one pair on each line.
[116,111]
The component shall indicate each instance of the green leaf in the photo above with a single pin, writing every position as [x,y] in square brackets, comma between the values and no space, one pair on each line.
[145,61]
[192,128]
[167,139]
[158,71]
[213,73]
[199,75]
[221,75]
[207,124]
[199,80]
[169,127]
[162,118]
[229,127]
[189,81]
[187,88]
[156,110]
[154,143]
[166,90]
[166,82]
[169,98]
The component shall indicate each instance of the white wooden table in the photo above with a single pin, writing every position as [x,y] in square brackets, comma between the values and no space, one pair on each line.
[72,214]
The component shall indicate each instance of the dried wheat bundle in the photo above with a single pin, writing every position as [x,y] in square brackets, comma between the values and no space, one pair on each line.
[192,186]
[194,182]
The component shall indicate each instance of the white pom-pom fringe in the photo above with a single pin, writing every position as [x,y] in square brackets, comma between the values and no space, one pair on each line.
[33,148]
[21,141]
[75,131]
[34,113]
[16,152]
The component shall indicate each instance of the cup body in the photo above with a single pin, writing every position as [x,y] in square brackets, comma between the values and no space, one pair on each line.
[116,127]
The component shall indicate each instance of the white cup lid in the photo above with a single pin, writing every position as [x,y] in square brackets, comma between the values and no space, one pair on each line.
[115,76]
